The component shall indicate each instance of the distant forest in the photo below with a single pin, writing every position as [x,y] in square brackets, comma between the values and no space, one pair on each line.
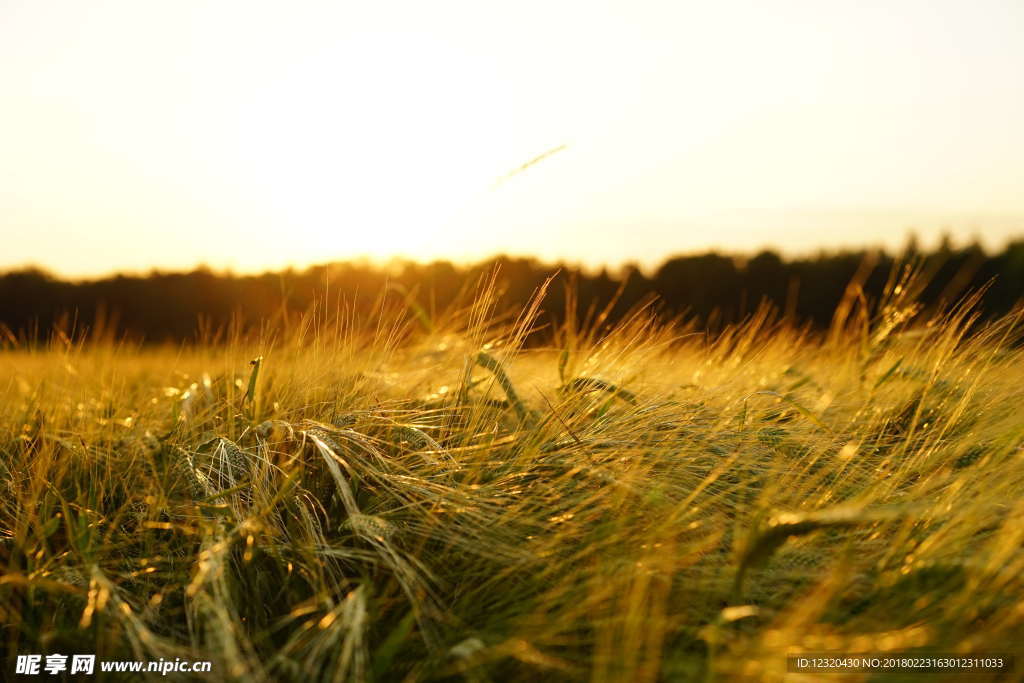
[711,288]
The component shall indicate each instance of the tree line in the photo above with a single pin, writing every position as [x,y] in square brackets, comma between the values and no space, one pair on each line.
[713,288]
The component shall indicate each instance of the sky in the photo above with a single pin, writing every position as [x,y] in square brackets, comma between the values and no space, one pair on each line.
[256,135]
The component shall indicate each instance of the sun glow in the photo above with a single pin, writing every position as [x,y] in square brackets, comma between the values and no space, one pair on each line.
[364,150]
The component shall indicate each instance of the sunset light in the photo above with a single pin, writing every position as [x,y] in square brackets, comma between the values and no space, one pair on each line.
[620,341]
[255,136]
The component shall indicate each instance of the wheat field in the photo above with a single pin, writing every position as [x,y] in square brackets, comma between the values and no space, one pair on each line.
[473,496]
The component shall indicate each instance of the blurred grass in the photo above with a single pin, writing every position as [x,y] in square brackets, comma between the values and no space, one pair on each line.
[395,499]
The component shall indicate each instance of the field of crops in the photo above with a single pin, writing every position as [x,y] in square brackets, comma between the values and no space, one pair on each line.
[415,497]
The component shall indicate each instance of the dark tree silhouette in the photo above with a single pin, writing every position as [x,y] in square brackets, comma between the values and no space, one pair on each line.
[713,288]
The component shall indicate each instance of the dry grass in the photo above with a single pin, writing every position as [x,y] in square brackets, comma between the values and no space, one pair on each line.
[396,500]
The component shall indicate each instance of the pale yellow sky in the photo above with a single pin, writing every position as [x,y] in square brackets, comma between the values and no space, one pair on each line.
[253,135]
